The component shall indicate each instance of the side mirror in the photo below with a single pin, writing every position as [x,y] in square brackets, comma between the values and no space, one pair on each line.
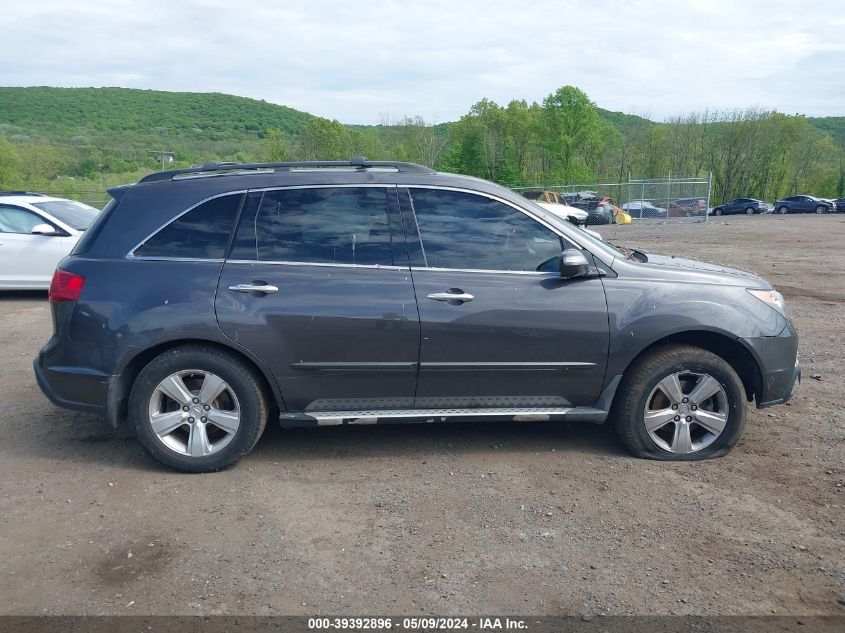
[43,229]
[573,264]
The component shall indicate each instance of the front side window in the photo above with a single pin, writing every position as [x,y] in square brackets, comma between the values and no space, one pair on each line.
[17,220]
[201,233]
[321,225]
[468,231]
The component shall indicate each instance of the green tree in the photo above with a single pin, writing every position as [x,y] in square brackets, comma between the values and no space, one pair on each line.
[321,139]
[573,133]
[10,165]
[278,146]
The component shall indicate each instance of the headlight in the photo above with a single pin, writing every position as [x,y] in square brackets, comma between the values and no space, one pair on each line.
[771,297]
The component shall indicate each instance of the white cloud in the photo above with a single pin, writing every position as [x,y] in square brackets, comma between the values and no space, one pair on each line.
[359,61]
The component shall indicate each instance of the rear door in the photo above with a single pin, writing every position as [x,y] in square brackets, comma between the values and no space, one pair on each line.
[496,331]
[333,312]
[26,260]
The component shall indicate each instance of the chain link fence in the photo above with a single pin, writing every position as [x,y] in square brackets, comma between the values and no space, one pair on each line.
[667,199]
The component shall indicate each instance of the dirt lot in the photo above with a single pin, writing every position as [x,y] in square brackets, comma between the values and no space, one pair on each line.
[473,519]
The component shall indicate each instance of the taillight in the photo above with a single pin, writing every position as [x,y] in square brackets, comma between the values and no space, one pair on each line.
[66,286]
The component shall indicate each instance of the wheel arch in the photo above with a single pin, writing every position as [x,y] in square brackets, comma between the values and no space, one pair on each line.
[120,388]
[731,350]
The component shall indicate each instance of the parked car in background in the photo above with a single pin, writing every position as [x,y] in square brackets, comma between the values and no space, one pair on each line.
[36,231]
[840,204]
[551,201]
[748,206]
[642,209]
[686,207]
[804,204]
[600,209]
[199,309]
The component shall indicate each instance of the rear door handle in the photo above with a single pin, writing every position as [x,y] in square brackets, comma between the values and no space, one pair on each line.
[451,296]
[263,288]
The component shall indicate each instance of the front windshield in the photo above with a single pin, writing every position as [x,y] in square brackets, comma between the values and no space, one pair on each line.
[75,214]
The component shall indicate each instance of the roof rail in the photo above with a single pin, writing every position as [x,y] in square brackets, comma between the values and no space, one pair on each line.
[358,162]
[22,193]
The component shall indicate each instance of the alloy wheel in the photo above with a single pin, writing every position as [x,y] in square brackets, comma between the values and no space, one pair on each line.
[686,412]
[194,413]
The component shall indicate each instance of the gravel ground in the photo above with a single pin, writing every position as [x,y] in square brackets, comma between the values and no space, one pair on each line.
[445,519]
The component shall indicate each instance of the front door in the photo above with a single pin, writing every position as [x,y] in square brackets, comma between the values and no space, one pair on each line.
[26,260]
[332,312]
[497,329]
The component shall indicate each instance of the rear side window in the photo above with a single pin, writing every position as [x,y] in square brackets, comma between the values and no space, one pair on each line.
[201,233]
[331,225]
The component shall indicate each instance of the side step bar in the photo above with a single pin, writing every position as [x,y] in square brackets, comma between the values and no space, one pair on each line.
[387,416]
[596,414]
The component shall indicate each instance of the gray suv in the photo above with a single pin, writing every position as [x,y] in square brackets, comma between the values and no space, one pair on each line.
[204,302]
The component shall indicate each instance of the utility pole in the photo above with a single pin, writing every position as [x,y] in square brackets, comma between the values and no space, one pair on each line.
[162,155]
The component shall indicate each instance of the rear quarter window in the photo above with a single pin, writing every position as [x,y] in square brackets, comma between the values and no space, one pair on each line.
[88,238]
[202,232]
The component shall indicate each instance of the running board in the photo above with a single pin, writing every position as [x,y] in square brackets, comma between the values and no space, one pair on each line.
[386,416]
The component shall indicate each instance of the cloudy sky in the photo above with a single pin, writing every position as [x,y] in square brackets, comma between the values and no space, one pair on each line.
[375,60]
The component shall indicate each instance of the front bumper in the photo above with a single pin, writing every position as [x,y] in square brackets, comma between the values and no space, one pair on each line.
[777,360]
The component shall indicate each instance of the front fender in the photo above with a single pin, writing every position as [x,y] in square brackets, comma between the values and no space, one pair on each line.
[642,312]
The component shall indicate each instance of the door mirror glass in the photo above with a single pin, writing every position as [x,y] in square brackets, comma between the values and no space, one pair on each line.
[43,229]
[573,264]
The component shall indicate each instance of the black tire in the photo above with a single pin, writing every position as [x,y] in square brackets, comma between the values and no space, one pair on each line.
[643,376]
[750,211]
[820,209]
[783,210]
[717,211]
[244,382]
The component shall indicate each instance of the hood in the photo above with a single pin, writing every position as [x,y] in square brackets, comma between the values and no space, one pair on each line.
[735,276]
[562,210]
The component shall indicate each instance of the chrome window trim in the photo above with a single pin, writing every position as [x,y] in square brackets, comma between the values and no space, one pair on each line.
[554,229]
[259,262]
[485,271]
[152,258]
[131,253]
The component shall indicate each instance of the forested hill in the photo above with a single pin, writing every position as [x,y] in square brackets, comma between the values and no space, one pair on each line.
[65,113]
[833,125]
[44,113]
[80,141]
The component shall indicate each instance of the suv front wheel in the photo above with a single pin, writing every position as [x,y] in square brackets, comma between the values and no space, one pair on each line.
[680,403]
[197,408]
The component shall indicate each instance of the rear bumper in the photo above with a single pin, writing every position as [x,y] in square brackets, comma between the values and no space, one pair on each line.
[777,359]
[82,388]
[73,387]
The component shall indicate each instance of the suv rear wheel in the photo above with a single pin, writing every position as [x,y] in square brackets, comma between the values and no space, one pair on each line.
[680,403]
[197,408]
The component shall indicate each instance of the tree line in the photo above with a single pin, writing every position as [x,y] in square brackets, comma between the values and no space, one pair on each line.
[565,139]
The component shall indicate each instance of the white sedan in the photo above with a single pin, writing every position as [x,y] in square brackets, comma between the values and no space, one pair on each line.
[575,216]
[35,233]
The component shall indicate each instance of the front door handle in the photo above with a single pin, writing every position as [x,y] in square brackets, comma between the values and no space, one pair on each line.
[453,294]
[254,287]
